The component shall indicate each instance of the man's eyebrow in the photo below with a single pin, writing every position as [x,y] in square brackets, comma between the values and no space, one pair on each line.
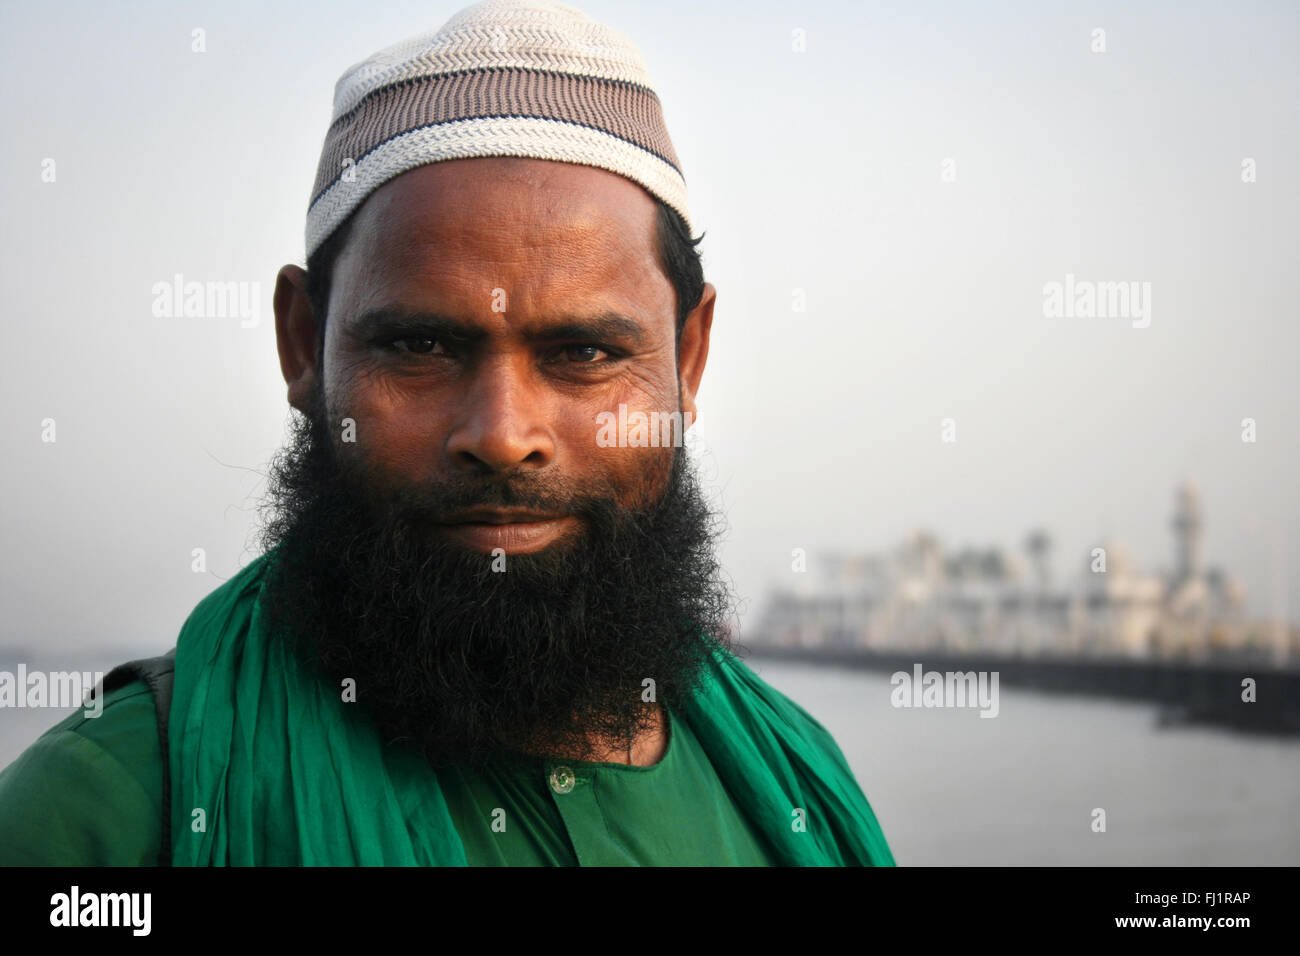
[606,325]
[394,321]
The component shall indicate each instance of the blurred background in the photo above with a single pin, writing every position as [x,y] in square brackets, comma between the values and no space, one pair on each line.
[1002,377]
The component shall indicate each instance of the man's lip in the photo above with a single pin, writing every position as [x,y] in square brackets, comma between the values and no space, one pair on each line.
[513,533]
[500,516]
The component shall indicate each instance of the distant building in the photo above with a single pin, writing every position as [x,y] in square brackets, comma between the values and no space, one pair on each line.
[918,597]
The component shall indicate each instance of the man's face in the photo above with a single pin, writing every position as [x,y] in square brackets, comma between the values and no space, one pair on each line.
[451,534]
[482,315]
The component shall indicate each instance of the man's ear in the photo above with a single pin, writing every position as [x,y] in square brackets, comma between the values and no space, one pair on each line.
[694,349]
[295,335]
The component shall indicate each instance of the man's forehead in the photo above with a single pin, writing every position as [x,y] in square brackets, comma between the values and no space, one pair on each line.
[511,202]
[534,229]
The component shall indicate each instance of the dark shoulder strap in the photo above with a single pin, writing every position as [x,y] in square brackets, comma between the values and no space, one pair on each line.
[157,673]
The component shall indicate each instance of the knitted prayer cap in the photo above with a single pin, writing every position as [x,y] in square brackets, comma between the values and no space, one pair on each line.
[526,78]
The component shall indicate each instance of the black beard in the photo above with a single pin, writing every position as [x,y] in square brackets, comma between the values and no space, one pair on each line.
[468,664]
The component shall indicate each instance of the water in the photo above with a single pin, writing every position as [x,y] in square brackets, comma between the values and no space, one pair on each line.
[952,788]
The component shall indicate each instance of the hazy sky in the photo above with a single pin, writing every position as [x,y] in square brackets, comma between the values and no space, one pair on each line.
[824,171]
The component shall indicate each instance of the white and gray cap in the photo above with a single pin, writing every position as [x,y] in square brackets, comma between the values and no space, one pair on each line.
[527,78]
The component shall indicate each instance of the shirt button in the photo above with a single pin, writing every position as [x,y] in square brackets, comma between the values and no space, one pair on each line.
[563,779]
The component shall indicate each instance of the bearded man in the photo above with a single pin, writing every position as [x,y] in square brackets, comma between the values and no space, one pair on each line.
[479,632]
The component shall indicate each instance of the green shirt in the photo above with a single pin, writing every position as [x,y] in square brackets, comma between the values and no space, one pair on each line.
[89,792]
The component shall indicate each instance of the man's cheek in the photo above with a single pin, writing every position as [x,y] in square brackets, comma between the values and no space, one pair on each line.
[659,425]
[380,426]
[638,476]
[378,458]
[643,412]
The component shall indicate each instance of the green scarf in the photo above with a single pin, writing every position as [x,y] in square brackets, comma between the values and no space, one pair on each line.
[269,767]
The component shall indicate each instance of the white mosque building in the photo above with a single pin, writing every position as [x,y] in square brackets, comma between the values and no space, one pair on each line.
[918,597]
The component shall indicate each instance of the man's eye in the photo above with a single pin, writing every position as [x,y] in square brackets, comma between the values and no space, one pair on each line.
[584,354]
[415,344]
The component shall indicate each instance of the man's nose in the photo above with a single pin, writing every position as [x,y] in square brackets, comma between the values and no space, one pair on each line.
[501,420]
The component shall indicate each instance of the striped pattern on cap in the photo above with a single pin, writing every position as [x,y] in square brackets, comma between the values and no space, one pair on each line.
[526,78]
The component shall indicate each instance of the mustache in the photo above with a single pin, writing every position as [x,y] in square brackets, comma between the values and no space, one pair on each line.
[424,503]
